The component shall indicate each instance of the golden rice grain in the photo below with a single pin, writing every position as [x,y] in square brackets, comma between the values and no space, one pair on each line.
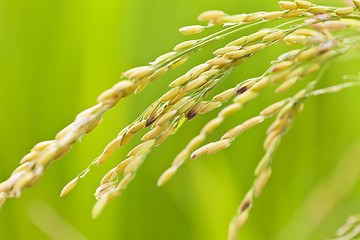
[287,5]
[209,15]
[185,45]
[303,4]
[69,187]
[189,30]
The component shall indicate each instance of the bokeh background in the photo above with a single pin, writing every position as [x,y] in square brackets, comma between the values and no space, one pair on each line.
[57,56]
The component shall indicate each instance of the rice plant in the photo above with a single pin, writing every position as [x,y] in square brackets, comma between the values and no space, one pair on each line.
[317,34]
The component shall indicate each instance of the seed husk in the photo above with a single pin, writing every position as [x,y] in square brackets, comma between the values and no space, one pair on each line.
[185,45]
[286,5]
[236,54]
[274,36]
[225,95]
[218,146]
[69,187]
[272,109]
[286,85]
[238,42]
[209,15]
[252,122]
[303,4]
[196,83]
[189,30]
[272,15]
[166,176]
[199,152]
[222,51]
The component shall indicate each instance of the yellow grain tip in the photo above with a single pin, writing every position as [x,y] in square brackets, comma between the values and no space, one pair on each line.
[288,5]
[180,80]
[252,122]
[199,70]
[344,11]
[107,96]
[211,106]
[166,118]
[278,125]
[272,109]
[178,63]
[158,74]
[189,30]
[69,187]
[218,146]
[280,66]
[303,4]
[195,142]
[123,85]
[294,39]
[272,15]
[153,133]
[238,42]
[254,48]
[219,61]
[142,85]
[137,126]
[211,126]
[222,51]
[166,176]
[181,157]
[29,157]
[209,15]
[245,97]
[229,110]
[262,181]
[113,145]
[41,145]
[133,165]
[240,220]
[307,54]
[225,95]
[211,72]
[253,17]
[199,152]
[104,189]
[164,57]
[122,165]
[235,18]
[195,84]
[232,133]
[185,107]
[184,45]
[136,149]
[293,13]
[317,10]
[352,22]
[141,72]
[257,36]
[171,94]
[274,36]
[310,70]
[260,84]
[236,54]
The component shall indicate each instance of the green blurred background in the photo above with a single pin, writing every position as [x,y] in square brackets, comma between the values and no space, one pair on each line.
[57,56]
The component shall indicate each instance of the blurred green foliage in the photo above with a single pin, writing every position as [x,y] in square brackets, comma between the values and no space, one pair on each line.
[57,56]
